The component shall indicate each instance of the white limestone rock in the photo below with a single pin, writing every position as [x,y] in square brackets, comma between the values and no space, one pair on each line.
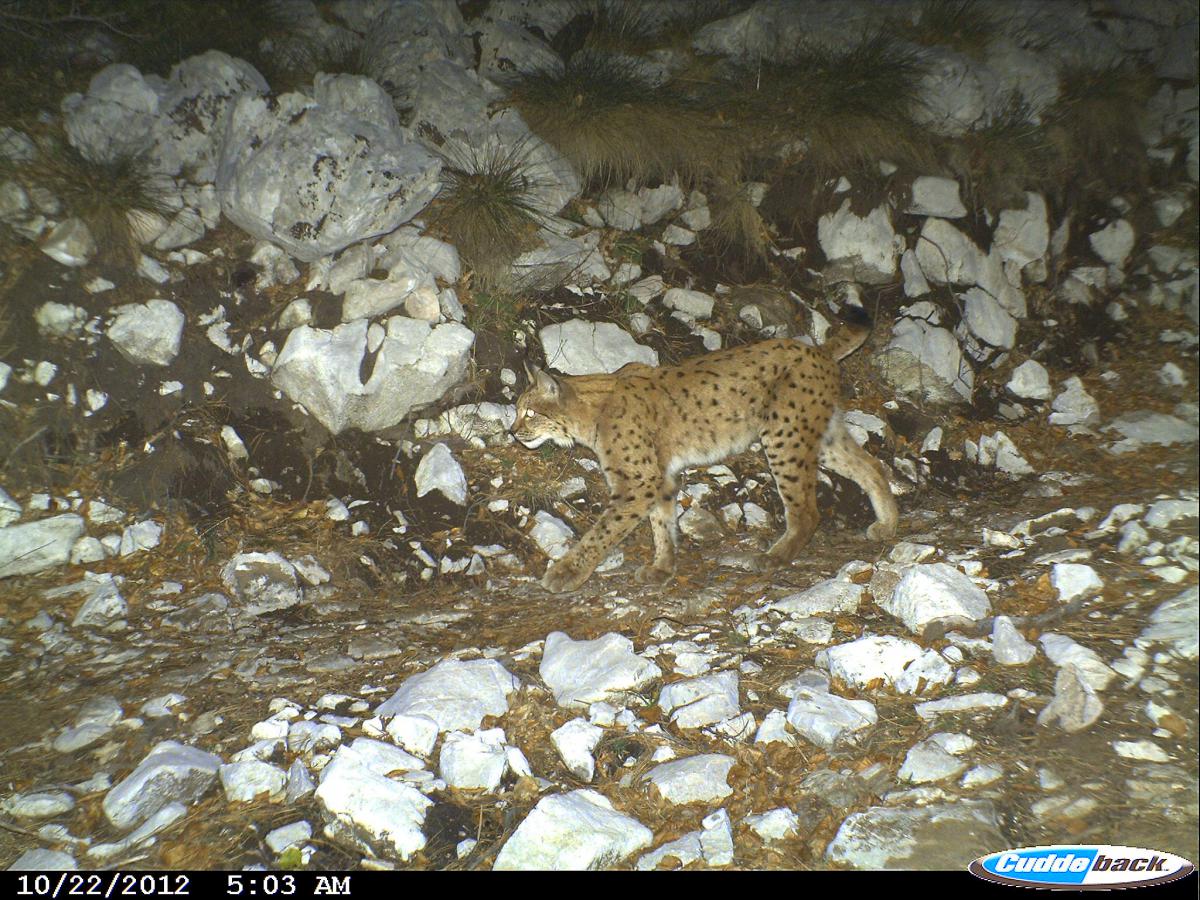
[833,596]
[43,860]
[583,672]
[415,364]
[985,318]
[1075,705]
[930,591]
[935,196]
[696,304]
[170,773]
[247,780]
[934,759]
[698,702]
[575,831]
[38,804]
[1022,236]
[147,334]
[315,175]
[1074,405]
[578,347]
[925,360]
[440,471]
[1063,651]
[454,694]
[828,720]
[1176,623]
[1030,381]
[1009,647]
[369,811]
[104,604]
[712,845]
[960,703]
[1114,242]
[262,582]
[774,824]
[695,779]
[40,545]
[70,243]
[1145,427]
[1073,580]
[867,247]
[902,664]
[473,761]
[575,742]
[937,836]
[551,534]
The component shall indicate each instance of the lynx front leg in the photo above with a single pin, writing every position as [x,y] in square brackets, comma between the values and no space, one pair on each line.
[572,569]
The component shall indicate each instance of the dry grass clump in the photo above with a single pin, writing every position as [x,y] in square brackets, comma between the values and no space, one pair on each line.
[845,109]
[1095,126]
[615,125]
[997,162]
[487,206]
[110,196]
[738,235]
[966,25]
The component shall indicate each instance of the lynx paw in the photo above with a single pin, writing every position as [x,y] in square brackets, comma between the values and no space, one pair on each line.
[650,574]
[882,531]
[563,575]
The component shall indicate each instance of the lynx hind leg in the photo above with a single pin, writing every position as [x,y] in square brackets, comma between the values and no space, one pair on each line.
[842,455]
[793,461]
[666,537]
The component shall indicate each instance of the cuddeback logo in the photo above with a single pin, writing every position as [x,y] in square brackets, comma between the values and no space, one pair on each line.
[1070,866]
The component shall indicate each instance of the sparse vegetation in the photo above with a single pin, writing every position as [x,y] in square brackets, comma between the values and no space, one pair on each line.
[1095,125]
[738,234]
[113,198]
[605,116]
[966,25]
[998,162]
[487,207]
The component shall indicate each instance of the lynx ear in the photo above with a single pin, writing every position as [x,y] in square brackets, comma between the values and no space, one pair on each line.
[543,381]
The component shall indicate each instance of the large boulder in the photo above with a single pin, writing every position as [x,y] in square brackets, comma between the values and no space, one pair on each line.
[315,175]
[415,364]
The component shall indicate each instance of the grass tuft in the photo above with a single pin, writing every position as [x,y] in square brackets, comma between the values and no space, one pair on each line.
[738,235]
[613,124]
[1095,124]
[110,197]
[998,162]
[850,108]
[966,25]
[487,207]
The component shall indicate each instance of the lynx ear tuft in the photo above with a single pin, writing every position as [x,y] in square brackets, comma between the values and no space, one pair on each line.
[542,380]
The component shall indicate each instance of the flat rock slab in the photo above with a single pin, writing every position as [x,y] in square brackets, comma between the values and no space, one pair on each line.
[575,831]
[171,772]
[454,694]
[584,672]
[931,837]
[36,546]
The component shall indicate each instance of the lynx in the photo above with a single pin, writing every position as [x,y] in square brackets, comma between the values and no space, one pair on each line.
[647,424]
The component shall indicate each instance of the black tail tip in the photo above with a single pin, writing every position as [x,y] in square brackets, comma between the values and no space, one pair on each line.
[855,315]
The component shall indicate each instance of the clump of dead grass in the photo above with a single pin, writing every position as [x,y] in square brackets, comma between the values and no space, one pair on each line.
[966,25]
[487,206]
[738,234]
[614,124]
[1095,125]
[842,110]
[997,162]
[114,197]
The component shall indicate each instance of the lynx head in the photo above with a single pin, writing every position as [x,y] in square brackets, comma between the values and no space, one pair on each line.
[540,410]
